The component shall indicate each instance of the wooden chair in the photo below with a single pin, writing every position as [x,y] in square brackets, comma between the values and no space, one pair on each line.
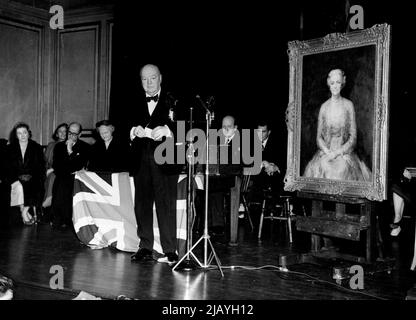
[277,209]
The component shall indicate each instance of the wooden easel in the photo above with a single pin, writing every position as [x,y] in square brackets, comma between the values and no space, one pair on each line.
[325,224]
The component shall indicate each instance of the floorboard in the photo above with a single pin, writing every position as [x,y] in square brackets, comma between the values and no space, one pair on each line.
[27,254]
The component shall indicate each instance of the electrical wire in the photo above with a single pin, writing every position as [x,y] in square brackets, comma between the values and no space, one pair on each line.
[284,271]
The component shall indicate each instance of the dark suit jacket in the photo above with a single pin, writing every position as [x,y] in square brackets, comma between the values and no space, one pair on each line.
[64,164]
[159,117]
[275,153]
[232,150]
[33,164]
[225,169]
[113,159]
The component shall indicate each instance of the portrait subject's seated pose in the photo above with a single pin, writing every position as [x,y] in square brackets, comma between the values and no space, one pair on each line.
[336,138]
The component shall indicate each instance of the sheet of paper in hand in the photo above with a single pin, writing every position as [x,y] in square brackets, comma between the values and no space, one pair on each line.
[412,171]
[148,132]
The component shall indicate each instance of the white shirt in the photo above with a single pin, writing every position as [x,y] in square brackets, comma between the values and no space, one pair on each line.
[151,105]
[265,142]
[107,143]
[228,139]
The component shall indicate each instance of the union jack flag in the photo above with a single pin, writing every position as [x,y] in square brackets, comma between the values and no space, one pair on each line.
[103,211]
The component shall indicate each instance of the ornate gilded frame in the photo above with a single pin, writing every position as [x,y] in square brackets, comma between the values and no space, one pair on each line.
[378,39]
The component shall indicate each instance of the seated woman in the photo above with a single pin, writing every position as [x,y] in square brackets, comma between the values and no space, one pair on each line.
[26,165]
[4,186]
[59,134]
[336,137]
[109,153]
[403,192]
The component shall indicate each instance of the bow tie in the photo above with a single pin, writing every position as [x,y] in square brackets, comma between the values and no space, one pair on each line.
[154,98]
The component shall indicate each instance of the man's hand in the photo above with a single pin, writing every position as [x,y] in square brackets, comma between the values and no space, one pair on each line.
[264,164]
[270,168]
[25,177]
[159,132]
[137,132]
[69,144]
[407,174]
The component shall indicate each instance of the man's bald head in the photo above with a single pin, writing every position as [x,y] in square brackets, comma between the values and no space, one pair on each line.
[149,68]
[228,121]
[76,126]
[151,79]
[228,126]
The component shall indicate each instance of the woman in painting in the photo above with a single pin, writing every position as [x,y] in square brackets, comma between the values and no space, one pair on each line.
[336,137]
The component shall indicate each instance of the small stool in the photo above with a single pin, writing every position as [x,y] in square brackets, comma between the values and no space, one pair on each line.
[285,214]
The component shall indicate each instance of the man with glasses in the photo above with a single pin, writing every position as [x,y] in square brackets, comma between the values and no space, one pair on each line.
[69,156]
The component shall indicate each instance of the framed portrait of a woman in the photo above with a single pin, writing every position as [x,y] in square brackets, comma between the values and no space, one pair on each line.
[337,115]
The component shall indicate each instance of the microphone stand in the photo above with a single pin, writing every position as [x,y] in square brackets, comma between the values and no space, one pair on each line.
[186,264]
[205,237]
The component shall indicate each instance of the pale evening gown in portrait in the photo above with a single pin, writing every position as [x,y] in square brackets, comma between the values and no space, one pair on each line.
[337,131]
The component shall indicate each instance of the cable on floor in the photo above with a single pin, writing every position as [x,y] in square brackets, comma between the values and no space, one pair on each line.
[284,272]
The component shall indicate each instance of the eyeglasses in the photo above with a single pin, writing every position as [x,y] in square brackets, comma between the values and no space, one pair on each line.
[73,133]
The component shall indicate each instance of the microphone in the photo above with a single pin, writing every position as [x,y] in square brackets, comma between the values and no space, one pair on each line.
[173,100]
[211,101]
[203,103]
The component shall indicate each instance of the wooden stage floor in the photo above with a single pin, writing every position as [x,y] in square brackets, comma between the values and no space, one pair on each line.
[27,254]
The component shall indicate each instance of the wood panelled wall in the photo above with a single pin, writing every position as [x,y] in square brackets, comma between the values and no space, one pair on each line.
[52,76]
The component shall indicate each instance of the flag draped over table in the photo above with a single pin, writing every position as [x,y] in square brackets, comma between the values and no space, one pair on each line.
[103,211]
[104,216]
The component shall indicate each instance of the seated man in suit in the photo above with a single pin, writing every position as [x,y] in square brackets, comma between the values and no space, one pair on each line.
[220,185]
[69,156]
[272,166]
